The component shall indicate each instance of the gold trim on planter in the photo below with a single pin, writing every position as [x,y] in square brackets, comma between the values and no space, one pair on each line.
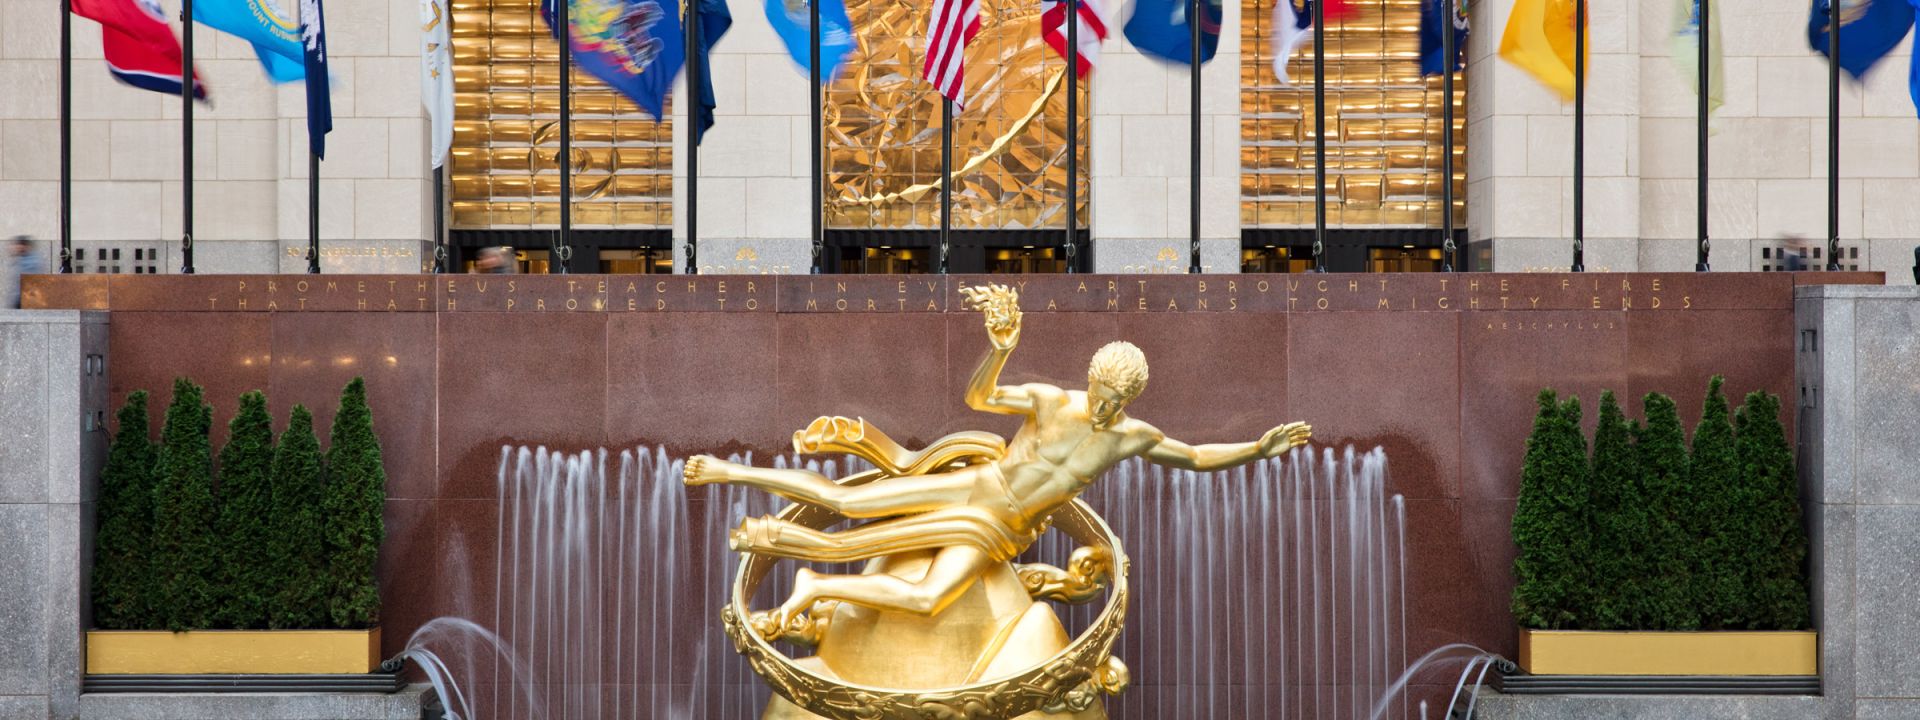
[249,652]
[1579,652]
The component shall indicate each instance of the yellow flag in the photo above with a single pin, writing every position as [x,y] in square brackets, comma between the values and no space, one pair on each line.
[1539,39]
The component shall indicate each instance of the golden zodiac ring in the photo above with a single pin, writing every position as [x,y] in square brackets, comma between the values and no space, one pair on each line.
[1069,681]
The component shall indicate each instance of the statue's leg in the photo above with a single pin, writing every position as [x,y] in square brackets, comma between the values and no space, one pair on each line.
[881,498]
[954,569]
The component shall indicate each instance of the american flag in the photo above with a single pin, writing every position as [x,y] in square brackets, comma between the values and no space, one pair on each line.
[1093,29]
[950,26]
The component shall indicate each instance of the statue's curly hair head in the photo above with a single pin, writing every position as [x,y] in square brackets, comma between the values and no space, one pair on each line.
[1121,366]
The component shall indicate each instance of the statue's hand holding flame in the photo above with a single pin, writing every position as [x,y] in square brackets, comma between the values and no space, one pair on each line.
[1286,437]
[1001,306]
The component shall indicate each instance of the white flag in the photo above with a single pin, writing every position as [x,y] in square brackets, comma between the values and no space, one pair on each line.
[1292,27]
[436,75]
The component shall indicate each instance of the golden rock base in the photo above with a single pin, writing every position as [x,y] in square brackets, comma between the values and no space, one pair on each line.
[993,630]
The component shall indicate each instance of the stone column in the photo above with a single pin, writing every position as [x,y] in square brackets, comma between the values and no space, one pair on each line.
[1139,168]
[754,179]
[1520,149]
[1859,416]
[376,192]
[53,402]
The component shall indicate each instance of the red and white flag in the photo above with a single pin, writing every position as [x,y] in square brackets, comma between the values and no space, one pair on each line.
[950,26]
[1093,29]
[140,46]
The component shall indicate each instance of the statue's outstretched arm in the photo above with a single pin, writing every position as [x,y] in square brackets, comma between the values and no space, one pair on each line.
[1000,307]
[1219,456]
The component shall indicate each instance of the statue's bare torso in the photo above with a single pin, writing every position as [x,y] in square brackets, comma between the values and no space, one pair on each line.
[1057,452]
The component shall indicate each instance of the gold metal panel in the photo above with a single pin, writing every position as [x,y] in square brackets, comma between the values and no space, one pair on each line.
[1572,652]
[254,652]
[505,159]
[883,125]
[1384,134]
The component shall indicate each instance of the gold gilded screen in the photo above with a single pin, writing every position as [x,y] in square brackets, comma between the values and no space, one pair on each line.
[1383,124]
[505,162]
[883,125]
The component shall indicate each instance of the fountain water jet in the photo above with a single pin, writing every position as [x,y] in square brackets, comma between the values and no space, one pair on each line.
[609,582]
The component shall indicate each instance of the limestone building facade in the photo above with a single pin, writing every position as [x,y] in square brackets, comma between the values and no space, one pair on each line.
[377,196]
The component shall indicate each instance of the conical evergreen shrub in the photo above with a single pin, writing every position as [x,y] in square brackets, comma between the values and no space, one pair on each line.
[1773,536]
[122,567]
[297,541]
[1669,600]
[184,551]
[246,516]
[1550,523]
[1619,517]
[1717,504]
[355,494]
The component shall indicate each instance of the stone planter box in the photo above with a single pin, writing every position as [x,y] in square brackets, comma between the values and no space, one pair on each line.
[238,652]
[1580,652]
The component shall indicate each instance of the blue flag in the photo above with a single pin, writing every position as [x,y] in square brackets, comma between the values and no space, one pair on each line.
[715,19]
[1869,29]
[1913,91]
[790,20]
[1433,45]
[634,46]
[1159,28]
[313,32]
[275,39]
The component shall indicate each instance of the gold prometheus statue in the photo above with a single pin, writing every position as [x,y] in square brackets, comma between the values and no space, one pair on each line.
[942,624]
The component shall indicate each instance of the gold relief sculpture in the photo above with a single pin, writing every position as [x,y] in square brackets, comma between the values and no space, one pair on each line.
[883,125]
[941,624]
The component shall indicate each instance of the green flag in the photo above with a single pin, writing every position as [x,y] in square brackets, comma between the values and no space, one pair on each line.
[1686,49]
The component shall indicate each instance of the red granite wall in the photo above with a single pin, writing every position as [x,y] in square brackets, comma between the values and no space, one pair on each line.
[1440,370]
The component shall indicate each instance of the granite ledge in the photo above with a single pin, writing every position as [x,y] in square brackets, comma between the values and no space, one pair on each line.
[1496,706]
[54,317]
[1874,292]
[403,705]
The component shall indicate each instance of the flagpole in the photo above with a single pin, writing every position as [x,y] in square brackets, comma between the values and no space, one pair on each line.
[1072,20]
[1319,136]
[813,77]
[313,210]
[1193,136]
[1447,246]
[442,260]
[563,245]
[1833,134]
[1446,137]
[66,136]
[186,137]
[440,219]
[1579,134]
[946,185]
[1702,27]
[694,103]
